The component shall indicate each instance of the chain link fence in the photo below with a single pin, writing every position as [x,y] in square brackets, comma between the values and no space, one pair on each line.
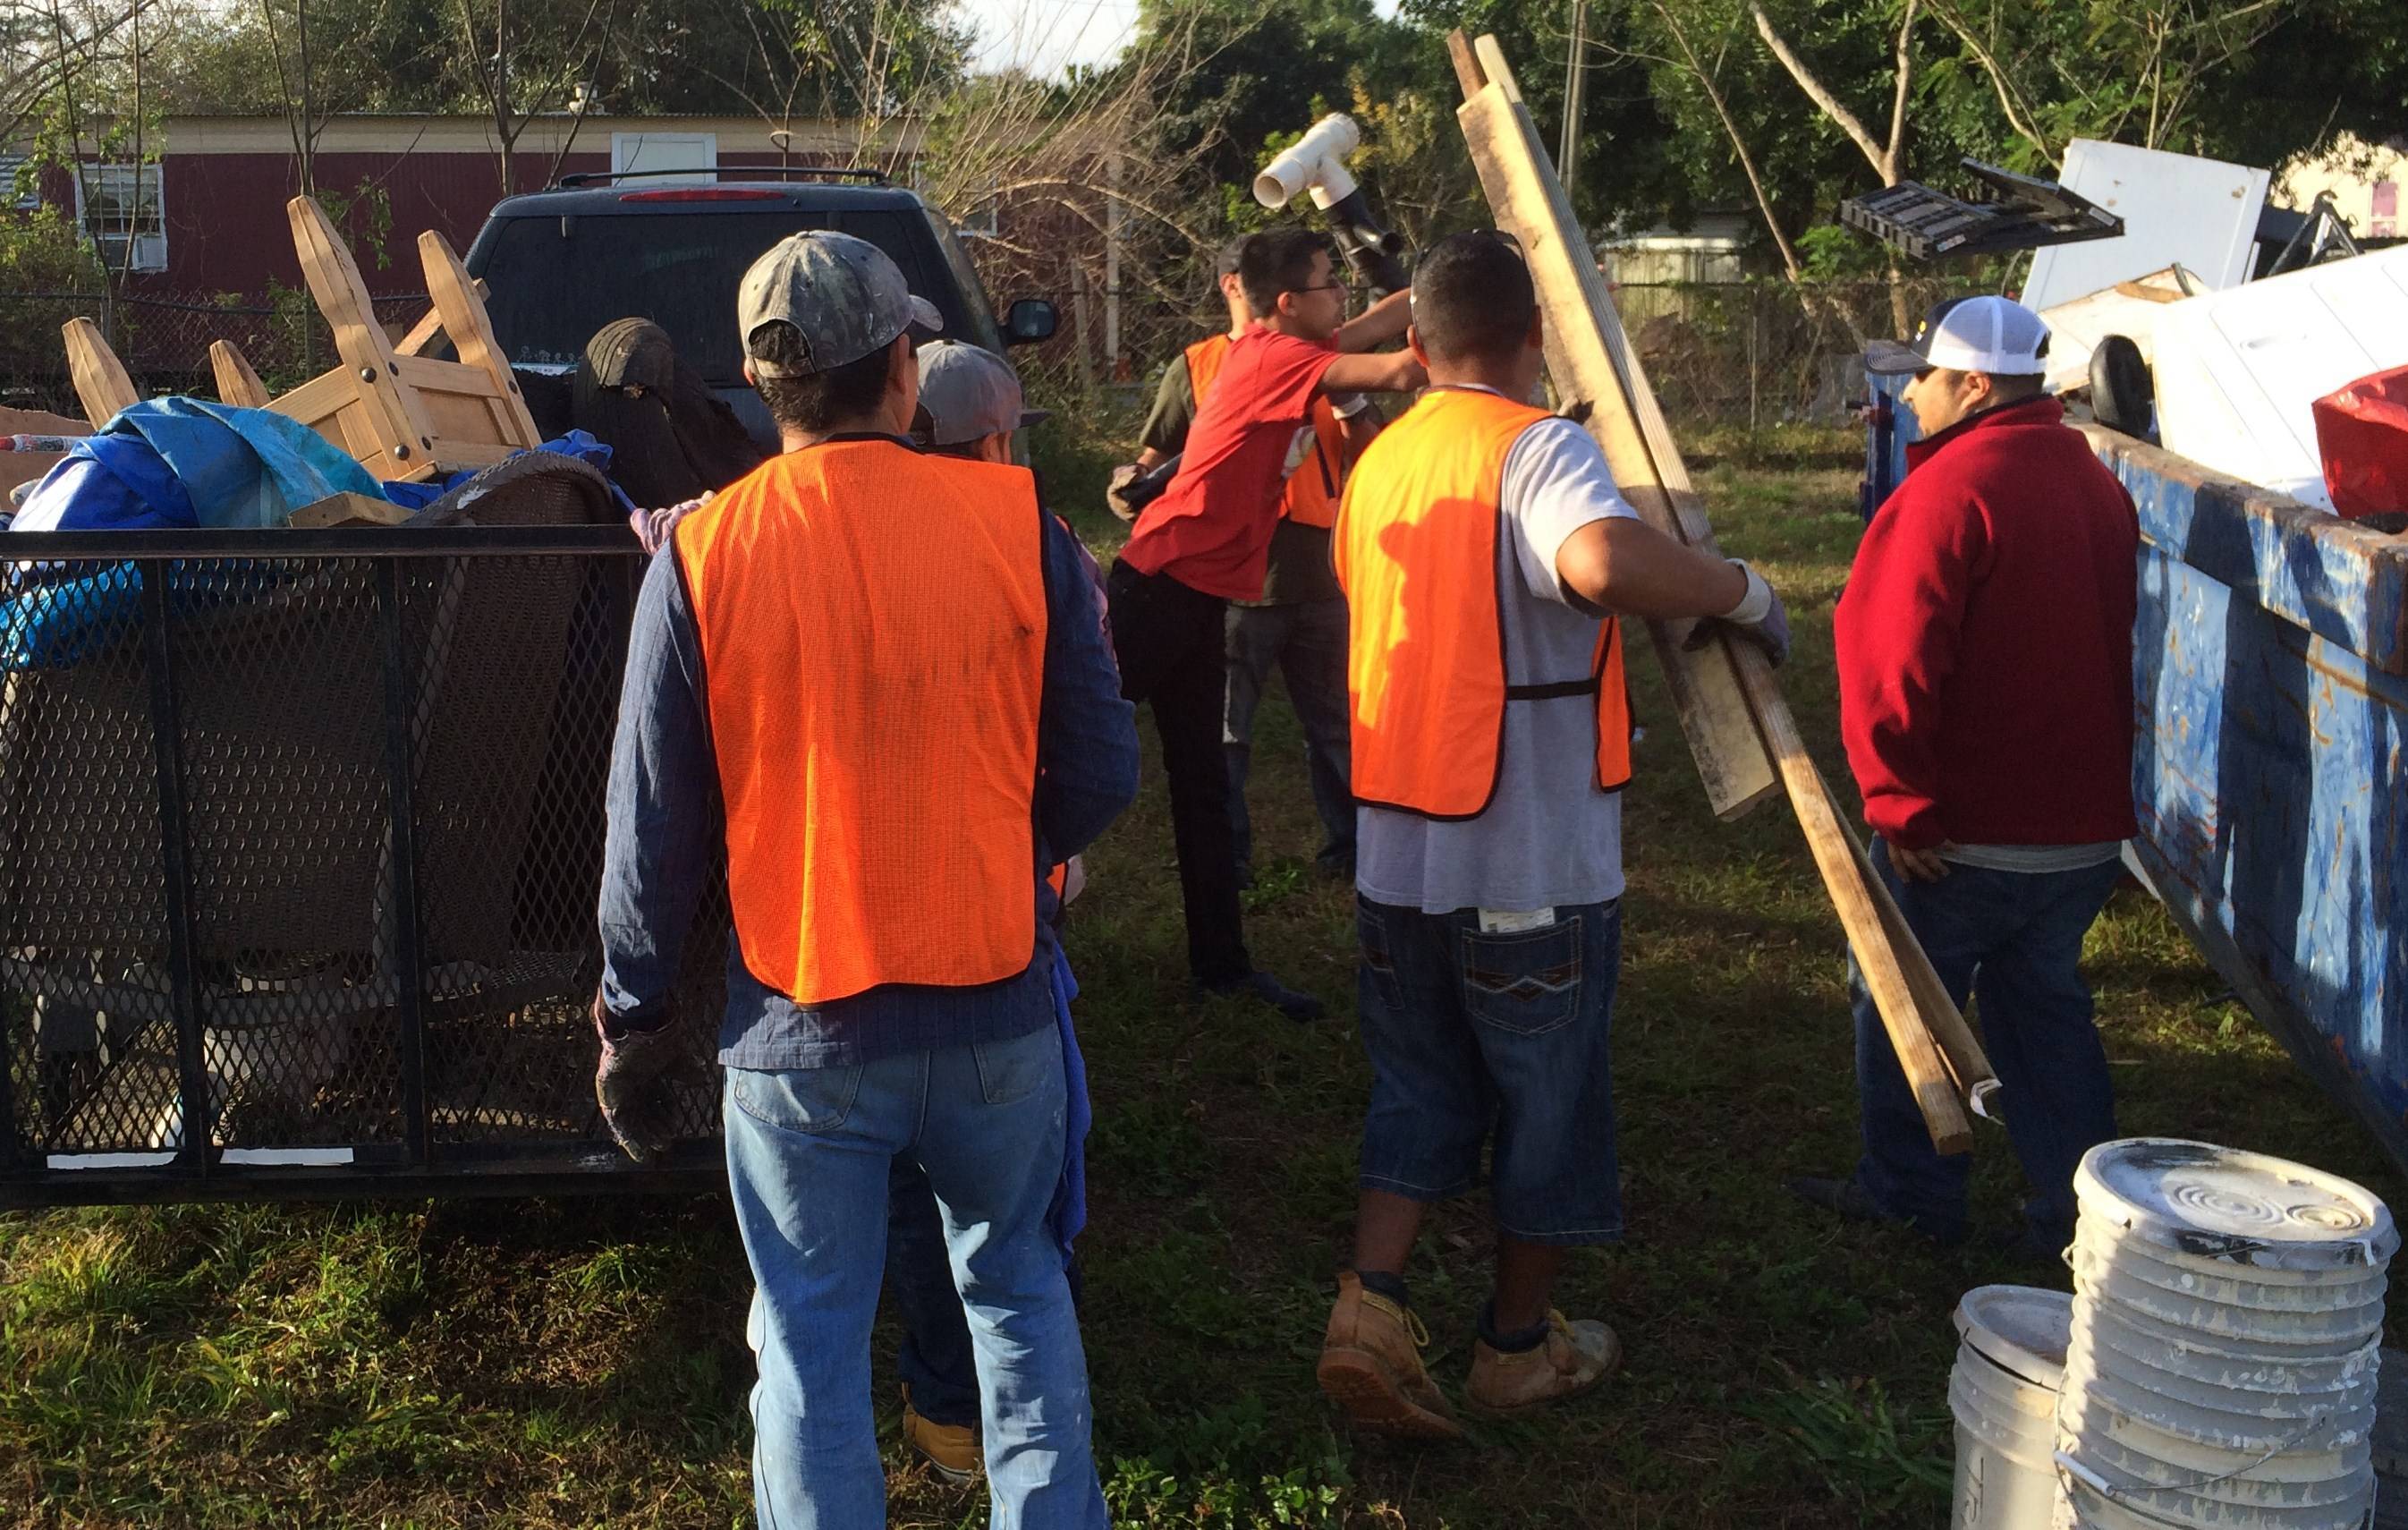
[163,339]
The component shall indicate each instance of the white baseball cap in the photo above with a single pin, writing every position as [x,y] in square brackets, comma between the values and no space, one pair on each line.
[1993,335]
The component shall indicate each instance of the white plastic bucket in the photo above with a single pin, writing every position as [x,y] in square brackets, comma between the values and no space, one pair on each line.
[2003,1393]
[2221,1363]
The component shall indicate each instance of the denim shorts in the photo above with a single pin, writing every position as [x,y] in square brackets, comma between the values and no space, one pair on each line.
[1470,1033]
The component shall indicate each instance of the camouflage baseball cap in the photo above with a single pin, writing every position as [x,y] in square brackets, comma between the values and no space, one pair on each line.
[819,300]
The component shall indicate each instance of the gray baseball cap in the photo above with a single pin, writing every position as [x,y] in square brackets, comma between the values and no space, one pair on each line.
[819,300]
[966,394]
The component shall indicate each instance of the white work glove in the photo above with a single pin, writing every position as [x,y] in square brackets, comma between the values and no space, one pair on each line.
[1759,617]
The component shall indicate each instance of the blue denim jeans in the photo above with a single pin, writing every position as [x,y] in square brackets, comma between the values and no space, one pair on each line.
[2010,941]
[1472,1034]
[1307,640]
[935,1359]
[809,1158]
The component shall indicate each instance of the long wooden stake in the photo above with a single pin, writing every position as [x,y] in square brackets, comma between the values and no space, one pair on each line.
[1590,357]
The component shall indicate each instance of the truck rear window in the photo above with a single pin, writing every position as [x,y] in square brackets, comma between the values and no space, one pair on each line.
[551,287]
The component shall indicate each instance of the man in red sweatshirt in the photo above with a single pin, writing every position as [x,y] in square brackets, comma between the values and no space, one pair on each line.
[1985,698]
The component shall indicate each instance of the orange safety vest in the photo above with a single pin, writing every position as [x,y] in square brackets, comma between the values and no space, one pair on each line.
[872,625]
[1426,668]
[1310,496]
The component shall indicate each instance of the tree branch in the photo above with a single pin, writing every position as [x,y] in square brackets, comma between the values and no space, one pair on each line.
[1814,89]
[2009,98]
[1888,166]
[1739,145]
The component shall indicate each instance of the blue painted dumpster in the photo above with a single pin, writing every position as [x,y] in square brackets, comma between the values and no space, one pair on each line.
[2270,668]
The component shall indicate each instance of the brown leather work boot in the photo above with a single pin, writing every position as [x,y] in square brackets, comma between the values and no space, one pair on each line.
[1372,1366]
[1572,1358]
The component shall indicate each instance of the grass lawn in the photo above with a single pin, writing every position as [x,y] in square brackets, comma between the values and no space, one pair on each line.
[577,1362]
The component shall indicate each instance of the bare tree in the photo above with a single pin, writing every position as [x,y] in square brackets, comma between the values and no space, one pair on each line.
[528,74]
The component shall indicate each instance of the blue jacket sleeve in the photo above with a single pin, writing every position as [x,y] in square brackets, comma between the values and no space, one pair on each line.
[1086,734]
[663,803]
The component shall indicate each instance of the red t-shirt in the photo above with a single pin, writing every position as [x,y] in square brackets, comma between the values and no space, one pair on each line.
[1211,528]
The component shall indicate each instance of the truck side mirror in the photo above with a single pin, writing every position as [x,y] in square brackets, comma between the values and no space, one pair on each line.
[1029,321]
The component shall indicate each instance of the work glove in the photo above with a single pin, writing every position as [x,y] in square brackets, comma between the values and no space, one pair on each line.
[632,1084]
[1122,476]
[1759,617]
[654,526]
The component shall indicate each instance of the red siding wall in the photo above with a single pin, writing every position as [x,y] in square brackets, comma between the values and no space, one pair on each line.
[227,232]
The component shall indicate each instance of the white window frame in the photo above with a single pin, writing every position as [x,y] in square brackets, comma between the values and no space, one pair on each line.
[150,252]
[700,151]
[31,200]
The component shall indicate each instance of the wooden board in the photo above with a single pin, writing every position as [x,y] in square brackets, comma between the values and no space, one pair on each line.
[1592,362]
[24,467]
[1590,357]
[347,509]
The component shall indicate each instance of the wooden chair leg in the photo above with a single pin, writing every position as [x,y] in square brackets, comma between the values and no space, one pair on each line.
[462,312]
[100,380]
[238,384]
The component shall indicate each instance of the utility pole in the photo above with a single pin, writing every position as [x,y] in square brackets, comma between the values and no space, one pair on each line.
[1575,76]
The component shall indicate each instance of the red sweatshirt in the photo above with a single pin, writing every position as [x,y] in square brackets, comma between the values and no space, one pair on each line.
[1986,640]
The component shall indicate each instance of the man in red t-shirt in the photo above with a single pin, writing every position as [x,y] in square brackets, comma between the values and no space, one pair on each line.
[1206,542]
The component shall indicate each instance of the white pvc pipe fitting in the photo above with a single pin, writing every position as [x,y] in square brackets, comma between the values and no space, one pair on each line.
[1316,162]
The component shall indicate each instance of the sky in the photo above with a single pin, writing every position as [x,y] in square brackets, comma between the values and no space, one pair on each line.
[1043,36]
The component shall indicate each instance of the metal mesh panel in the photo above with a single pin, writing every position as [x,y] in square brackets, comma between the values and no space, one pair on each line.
[209,906]
[278,672]
[83,928]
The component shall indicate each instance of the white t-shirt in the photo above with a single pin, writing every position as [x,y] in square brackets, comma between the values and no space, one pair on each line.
[1549,837]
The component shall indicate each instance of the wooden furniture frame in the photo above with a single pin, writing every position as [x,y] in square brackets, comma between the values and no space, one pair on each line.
[399,413]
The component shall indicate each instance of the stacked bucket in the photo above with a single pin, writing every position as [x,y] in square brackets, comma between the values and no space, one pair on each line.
[2227,1318]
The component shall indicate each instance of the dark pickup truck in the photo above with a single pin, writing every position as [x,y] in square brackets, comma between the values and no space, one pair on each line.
[558,264]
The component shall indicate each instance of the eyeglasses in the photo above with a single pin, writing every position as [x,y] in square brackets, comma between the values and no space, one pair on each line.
[1327,286]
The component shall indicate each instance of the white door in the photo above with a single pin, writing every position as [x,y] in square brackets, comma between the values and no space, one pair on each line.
[693,157]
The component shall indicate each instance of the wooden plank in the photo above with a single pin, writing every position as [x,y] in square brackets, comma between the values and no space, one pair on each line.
[1959,1048]
[347,509]
[1492,64]
[444,377]
[101,385]
[2343,582]
[1468,72]
[238,384]
[1712,704]
[1590,360]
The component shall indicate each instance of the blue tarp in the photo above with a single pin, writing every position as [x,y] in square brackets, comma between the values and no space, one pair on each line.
[189,463]
[185,463]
